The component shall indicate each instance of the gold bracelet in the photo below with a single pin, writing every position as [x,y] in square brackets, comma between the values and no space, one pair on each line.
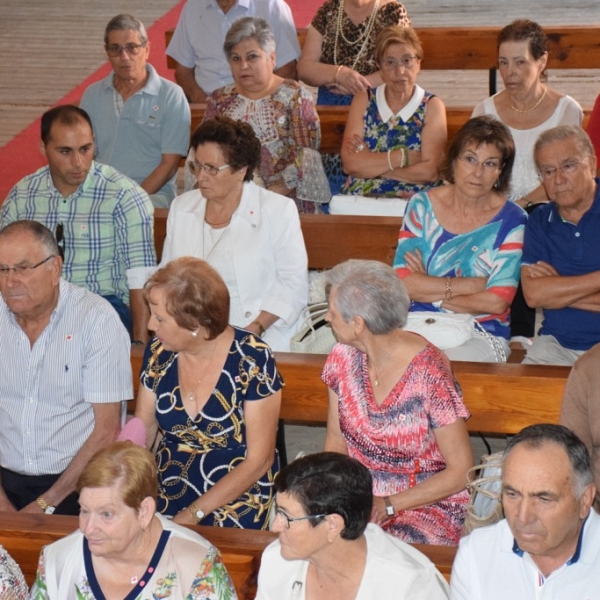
[448,288]
[335,77]
[406,163]
[261,329]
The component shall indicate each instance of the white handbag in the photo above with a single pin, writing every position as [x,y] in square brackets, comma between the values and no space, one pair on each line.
[444,330]
[315,336]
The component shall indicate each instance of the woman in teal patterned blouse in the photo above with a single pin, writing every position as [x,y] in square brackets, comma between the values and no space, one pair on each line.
[396,134]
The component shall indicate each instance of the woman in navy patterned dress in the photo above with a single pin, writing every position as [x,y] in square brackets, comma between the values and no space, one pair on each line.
[213,393]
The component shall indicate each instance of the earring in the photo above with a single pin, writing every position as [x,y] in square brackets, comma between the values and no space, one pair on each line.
[194,333]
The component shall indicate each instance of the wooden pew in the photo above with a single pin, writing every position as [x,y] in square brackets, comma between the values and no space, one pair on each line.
[502,398]
[329,239]
[333,123]
[24,535]
[475,48]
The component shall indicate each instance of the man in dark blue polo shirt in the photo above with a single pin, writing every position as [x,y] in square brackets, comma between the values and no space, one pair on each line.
[561,254]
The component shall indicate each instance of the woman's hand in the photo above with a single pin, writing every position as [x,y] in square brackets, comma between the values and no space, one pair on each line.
[414,262]
[351,80]
[184,517]
[356,144]
[379,514]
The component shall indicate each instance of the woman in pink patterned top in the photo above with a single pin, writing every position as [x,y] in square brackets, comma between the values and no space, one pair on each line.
[395,406]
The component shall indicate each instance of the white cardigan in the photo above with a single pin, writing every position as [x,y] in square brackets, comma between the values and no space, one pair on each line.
[270,261]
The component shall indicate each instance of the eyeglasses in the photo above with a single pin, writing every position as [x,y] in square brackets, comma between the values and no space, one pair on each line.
[23,270]
[567,169]
[58,234]
[287,519]
[408,62]
[131,49]
[473,163]
[195,167]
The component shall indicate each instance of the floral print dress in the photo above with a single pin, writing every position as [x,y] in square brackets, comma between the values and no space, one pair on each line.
[184,567]
[402,129]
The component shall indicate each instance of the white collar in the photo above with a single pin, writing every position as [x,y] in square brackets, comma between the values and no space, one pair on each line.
[405,113]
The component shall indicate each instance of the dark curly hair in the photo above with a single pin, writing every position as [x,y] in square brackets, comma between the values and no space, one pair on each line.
[237,141]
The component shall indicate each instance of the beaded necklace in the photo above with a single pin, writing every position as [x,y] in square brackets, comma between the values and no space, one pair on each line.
[366,33]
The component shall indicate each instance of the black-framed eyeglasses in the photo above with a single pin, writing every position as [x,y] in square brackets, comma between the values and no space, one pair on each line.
[287,519]
[131,49]
[24,269]
[60,240]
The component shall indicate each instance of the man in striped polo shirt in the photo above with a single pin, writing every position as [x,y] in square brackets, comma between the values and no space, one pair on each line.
[64,372]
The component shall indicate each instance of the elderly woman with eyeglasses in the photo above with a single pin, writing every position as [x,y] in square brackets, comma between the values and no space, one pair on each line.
[395,135]
[251,236]
[281,111]
[460,244]
[327,548]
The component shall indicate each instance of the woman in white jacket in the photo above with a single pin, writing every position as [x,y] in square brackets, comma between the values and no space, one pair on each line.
[250,235]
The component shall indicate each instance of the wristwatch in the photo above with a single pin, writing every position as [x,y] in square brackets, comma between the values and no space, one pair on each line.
[197,513]
[47,508]
[389,508]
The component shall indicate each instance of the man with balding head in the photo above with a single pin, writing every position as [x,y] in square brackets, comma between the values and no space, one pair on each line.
[547,547]
[65,370]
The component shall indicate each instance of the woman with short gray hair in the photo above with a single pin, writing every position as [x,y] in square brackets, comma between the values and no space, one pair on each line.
[395,406]
[281,112]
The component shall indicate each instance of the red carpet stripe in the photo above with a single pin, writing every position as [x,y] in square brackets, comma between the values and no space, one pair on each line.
[20,156]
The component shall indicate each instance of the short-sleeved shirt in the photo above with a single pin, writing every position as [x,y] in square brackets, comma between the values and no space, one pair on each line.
[395,439]
[490,565]
[572,250]
[198,38]
[47,392]
[108,227]
[492,251]
[154,121]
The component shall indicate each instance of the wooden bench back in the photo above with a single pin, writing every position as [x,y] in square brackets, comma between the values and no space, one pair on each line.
[24,535]
[475,48]
[333,123]
[329,239]
[502,398]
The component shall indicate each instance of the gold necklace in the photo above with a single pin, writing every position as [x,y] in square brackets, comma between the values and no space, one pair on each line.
[192,395]
[527,109]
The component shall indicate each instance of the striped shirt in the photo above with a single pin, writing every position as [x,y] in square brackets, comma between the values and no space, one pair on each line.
[108,227]
[47,392]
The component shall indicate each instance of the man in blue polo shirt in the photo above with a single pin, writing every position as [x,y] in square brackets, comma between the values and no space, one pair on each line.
[141,121]
[561,253]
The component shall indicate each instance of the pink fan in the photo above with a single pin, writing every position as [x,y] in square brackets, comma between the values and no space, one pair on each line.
[135,431]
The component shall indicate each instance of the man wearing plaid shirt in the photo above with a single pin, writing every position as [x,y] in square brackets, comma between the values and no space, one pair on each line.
[102,220]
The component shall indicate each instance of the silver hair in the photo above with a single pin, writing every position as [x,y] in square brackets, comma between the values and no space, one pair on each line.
[249,27]
[126,23]
[536,436]
[372,290]
[564,132]
[38,231]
